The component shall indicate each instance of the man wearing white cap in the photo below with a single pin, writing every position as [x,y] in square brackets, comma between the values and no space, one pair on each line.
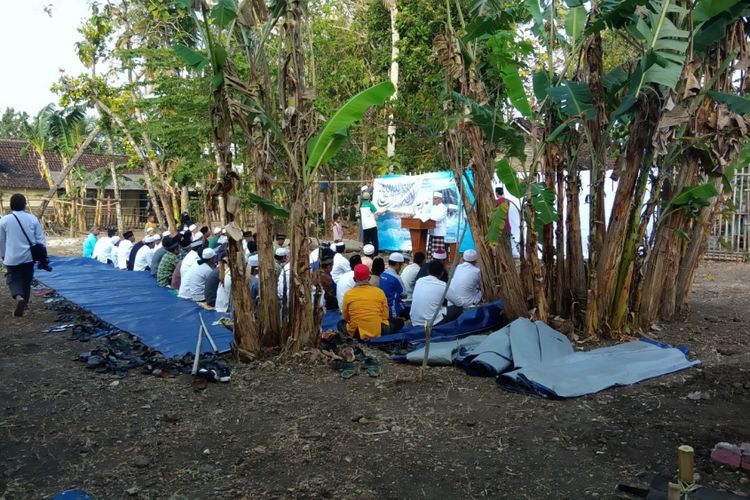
[439,214]
[340,263]
[190,260]
[368,216]
[280,259]
[195,279]
[144,255]
[224,292]
[392,286]
[465,288]
[367,252]
[159,252]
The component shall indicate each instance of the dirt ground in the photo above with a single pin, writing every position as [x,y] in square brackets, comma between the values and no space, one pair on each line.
[297,430]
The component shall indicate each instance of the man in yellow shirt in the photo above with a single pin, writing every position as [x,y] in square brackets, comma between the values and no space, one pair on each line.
[365,309]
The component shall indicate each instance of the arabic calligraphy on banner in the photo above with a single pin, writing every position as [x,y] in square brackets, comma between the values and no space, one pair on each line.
[410,196]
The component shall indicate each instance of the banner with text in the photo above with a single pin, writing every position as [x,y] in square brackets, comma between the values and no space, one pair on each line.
[410,196]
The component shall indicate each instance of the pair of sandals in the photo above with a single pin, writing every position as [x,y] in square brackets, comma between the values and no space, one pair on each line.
[347,366]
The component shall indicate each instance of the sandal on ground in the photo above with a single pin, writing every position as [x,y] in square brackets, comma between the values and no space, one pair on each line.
[349,370]
[372,366]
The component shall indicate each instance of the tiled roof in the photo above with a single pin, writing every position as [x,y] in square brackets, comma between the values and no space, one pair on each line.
[20,170]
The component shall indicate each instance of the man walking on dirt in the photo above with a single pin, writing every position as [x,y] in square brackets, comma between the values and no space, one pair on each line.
[15,250]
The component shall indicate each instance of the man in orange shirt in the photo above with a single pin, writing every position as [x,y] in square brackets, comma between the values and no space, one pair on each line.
[365,309]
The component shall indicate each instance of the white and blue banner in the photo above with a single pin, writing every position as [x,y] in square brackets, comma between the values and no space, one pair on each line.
[411,195]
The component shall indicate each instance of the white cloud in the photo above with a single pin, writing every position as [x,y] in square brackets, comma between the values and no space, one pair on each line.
[34,47]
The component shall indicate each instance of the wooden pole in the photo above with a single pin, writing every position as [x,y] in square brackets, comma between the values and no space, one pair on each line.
[686,463]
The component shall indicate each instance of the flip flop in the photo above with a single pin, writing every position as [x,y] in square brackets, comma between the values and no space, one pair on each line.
[349,370]
[372,366]
[347,354]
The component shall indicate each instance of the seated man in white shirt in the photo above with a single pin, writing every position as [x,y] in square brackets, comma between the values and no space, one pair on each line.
[112,257]
[195,280]
[103,247]
[465,289]
[123,250]
[428,298]
[346,280]
[145,254]
[409,273]
[340,263]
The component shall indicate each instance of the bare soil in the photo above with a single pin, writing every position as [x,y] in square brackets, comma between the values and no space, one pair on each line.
[297,430]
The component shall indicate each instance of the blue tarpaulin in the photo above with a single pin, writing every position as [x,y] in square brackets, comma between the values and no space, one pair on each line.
[134,303]
[533,358]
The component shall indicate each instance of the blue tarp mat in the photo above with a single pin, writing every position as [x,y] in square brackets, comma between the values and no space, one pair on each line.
[134,303]
[475,320]
[533,358]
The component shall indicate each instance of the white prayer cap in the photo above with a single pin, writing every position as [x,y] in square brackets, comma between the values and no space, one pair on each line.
[192,227]
[253,260]
[149,230]
[396,257]
[470,256]
[437,194]
[197,237]
[364,188]
[166,233]
[148,239]
[156,237]
[282,252]
[223,231]
[217,230]
[368,249]
[439,254]
[208,253]
[115,240]
[365,195]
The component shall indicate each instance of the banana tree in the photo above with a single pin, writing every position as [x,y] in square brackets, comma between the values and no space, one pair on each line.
[234,101]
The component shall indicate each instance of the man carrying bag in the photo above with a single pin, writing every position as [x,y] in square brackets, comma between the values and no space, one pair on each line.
[21,244]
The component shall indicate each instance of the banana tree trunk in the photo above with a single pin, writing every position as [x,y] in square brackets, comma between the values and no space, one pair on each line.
[575,267]
[66,171]
[395,38]
[607,268]
[115,187]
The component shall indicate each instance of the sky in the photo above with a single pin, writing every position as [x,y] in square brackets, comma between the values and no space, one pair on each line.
[34,47]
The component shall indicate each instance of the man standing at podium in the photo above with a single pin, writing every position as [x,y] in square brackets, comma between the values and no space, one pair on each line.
[438,213]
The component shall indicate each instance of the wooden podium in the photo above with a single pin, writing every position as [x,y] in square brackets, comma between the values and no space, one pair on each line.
[418,232]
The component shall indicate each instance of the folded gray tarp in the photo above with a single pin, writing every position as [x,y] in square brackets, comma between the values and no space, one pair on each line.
[532,357]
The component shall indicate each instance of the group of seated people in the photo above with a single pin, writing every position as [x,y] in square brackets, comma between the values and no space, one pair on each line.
[192,262]
[375,296]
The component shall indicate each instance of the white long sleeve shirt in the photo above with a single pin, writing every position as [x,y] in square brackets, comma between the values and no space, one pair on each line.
[224,294]
[439,213]
[426,299]
[188,262]
[114,254]
[102,249]
[465,289]
[409,277]
[123,253]
[14,247]
[345,283]
[340,266]
[143,258]
[195,283]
